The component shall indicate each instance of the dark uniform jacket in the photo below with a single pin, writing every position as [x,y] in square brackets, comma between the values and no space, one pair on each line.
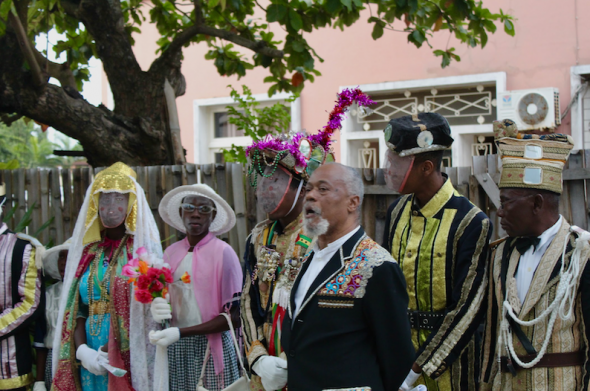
[351,332]
[568,337]
[442,250]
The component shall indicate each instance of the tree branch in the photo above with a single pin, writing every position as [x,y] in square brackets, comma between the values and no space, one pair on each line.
[189,33]
[26,47]
[61,72]
[9,119]
[198,12]
[71,9]
[104,21]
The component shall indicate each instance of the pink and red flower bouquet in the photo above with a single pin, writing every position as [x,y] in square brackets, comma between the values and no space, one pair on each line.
[150,281]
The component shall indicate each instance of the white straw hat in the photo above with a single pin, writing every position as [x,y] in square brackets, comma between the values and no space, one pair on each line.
[50,258]
[225,218]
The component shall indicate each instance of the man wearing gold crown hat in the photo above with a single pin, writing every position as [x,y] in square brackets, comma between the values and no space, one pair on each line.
[101,336]
[440,240]
[21,301]
[279,169]
[539,282]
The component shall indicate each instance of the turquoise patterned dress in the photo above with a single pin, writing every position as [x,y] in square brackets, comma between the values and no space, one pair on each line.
[98,324]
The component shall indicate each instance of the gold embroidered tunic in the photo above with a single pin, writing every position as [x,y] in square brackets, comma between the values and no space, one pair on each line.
[568,336]
[273,258]
[442,251]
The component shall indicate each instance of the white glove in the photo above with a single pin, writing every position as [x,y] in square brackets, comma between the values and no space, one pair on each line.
[39,386]
[160,309]
[409,382]
[272,372]
[91,359]
[164,337]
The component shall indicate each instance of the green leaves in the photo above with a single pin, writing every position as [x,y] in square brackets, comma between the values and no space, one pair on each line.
[5,9]
[276,12]
[377,30]
[9,165]
[447,55]
[256,122]
[347,4]
[467,20]
[509,27]
[295,19]
[417,37]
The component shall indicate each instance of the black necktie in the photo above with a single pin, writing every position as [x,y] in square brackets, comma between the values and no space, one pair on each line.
[524,243]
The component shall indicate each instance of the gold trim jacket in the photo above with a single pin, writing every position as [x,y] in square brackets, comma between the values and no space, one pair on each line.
[351,332]
[567,336]
[256,307]
[442,249]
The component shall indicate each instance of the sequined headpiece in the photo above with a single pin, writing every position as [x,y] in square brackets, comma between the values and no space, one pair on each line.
[114,179]
[299,153]
[531,161]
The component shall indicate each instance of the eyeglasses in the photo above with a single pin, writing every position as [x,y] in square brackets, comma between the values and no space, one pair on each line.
[504,203]
[203,209]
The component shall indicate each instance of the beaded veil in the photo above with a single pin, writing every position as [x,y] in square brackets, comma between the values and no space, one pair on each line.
[141,224]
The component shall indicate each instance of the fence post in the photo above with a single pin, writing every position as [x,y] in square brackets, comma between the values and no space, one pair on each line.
[56,206]
[577,199]
[22,201]
[191,174]
[49,232]
[239,206]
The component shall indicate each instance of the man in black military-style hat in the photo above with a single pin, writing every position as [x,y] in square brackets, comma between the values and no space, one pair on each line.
[440,241]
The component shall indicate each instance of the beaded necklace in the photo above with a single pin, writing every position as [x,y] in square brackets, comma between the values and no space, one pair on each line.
[257,168]
[102,303]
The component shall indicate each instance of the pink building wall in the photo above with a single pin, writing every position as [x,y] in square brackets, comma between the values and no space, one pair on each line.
[549,41]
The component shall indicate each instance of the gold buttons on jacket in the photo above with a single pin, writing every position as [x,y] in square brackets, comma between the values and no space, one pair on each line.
[415,212]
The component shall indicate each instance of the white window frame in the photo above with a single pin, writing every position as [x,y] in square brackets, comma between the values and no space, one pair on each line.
[205,144]
[458,131]
[577,112]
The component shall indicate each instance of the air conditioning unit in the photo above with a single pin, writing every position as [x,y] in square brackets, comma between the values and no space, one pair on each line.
[535,109]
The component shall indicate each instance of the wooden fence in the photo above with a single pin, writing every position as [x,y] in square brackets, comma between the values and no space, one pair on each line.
[59,193]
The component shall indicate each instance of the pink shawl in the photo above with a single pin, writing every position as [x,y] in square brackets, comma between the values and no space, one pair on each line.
[216,278]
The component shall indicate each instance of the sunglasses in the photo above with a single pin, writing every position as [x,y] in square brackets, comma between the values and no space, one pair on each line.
[203,209]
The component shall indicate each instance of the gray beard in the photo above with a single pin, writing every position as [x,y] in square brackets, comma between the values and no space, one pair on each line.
[315,230]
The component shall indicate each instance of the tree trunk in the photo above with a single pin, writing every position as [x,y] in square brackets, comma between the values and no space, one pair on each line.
[136,132]
[106,136]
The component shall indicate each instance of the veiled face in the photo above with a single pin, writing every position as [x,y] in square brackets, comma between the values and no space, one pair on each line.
[397,171]
[271,191]
[112,209]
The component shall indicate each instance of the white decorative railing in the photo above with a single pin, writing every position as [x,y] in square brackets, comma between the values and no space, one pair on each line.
[459,105]
[387,109]
[456,105]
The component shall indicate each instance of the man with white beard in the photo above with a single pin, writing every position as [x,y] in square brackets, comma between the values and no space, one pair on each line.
[346,326]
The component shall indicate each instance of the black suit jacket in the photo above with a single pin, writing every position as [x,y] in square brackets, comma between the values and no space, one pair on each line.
[352,330]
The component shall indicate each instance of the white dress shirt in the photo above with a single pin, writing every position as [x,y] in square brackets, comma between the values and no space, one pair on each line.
[530,260]
[319,261]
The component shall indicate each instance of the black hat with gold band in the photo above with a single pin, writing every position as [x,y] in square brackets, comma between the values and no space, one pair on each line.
[418,133]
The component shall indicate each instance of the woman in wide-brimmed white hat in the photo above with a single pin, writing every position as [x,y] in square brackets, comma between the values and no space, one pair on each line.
[216,283]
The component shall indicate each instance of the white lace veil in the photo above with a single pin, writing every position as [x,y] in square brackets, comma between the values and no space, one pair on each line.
[144,374]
